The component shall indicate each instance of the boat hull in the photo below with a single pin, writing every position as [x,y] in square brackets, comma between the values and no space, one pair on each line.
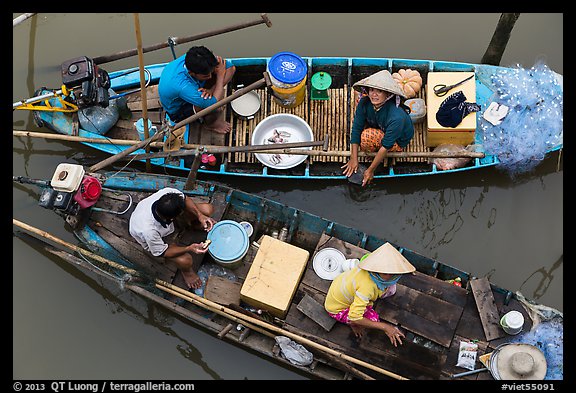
[331,117]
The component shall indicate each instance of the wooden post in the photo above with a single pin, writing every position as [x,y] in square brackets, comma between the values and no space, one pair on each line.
[191,180]
[495,50]
[142,87]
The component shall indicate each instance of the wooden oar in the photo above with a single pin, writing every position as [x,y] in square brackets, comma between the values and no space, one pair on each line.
[212,306]
[280,150]
[264,81]
[142,85]
[120,55]
[226,100]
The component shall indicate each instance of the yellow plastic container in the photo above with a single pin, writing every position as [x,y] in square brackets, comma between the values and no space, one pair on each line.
[292,97]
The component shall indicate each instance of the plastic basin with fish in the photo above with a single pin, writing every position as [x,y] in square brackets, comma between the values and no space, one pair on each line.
[282,128]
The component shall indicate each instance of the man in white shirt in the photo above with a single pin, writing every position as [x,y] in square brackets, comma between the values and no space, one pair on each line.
[152,220]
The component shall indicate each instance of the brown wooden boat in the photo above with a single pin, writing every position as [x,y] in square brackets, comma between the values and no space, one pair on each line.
[435,315]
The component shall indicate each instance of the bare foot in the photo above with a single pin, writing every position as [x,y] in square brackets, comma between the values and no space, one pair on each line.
[192,279]
[220,126]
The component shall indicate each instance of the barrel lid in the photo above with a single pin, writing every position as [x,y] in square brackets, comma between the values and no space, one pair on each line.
[321,80]
[229,241]
[287,67]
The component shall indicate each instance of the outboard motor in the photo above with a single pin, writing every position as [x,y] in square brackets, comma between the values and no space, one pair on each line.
[71,190]
[94,82]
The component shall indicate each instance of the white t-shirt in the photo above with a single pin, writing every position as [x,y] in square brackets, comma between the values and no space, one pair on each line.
[147,231]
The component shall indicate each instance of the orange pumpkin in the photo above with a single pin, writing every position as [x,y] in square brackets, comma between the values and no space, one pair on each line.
[409,80]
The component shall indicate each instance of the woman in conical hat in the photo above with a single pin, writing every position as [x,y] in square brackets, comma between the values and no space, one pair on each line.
[352,294]
[380,124]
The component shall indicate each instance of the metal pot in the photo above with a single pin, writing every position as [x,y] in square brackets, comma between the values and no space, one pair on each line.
[246,106]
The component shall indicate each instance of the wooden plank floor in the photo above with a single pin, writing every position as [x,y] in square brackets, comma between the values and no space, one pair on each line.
[429,314]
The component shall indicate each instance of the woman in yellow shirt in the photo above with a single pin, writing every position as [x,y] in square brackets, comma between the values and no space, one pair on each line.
[353,293]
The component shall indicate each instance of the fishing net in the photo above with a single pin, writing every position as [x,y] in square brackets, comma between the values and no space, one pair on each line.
[534,122]
[547,334]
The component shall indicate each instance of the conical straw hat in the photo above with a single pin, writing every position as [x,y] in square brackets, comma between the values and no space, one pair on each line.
[386,259]
[521,361]
[382,80]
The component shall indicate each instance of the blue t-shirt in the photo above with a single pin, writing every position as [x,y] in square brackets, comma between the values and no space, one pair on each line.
[177,87]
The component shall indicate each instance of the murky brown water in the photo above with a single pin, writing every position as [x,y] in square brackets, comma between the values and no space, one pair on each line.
[67,326]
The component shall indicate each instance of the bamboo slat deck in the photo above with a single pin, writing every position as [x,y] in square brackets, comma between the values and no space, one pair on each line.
[324,116]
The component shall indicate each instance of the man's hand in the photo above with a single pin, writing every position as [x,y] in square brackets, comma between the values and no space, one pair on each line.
[220,69]
[197,248]
[206,93]
[206,222]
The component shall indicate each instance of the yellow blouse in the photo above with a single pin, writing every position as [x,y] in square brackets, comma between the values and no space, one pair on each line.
[355,289]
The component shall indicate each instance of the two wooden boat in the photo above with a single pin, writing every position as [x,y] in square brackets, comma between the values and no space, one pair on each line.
[435,315]
[329,114]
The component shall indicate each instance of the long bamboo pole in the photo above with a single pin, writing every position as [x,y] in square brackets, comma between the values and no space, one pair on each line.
[142,86]
[221,310]
[21,18]
[211,148]
[187,295]
[121,55]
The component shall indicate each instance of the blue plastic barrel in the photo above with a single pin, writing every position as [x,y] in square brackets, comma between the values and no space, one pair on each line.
[229,243]
[288,73]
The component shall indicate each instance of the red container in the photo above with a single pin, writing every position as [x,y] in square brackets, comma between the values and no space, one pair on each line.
[89,192]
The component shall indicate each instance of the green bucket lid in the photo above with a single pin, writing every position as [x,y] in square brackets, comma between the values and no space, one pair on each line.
[321,80]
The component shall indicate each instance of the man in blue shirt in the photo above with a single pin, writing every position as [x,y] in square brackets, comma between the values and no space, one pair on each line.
[193,82]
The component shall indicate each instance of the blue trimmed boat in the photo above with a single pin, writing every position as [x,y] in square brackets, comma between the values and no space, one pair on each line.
[435,315]
[522,139]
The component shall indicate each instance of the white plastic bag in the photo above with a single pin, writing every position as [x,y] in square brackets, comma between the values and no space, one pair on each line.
[294,352]
[452,163]
[467,355]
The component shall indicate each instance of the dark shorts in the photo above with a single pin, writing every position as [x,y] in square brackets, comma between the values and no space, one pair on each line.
[184,112]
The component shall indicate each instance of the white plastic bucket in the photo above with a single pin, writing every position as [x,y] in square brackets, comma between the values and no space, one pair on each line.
[512,322]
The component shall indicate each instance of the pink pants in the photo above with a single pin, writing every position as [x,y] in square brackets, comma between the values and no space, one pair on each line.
[369,313]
